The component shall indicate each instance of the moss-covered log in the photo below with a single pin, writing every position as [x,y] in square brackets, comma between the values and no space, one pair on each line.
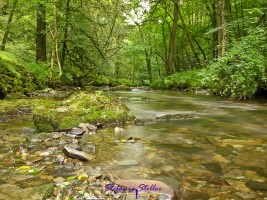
[78,108]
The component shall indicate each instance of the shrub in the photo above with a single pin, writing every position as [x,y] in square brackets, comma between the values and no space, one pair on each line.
[240,72]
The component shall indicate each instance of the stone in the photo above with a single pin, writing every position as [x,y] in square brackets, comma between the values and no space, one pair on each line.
[77,154]
[214,167]
[118,129]
[59,180]
[148,186]
[77,132]
[92,108]
[256,185]
[60,159]
[167,168]
[146,121]
[82,125]
[172,117]
[90,148]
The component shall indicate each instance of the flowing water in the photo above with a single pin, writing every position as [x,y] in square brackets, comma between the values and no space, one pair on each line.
[211,156]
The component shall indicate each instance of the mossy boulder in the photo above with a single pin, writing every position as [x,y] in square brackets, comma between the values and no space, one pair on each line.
[14,78]
[78,108]
[121,88]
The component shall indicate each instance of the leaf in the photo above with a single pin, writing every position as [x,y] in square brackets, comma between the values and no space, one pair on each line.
[83,176]
[24,167]
[34,171]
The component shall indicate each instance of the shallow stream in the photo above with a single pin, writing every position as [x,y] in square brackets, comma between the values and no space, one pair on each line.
[212,156]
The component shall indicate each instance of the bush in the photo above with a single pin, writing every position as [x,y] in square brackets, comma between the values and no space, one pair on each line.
[41,70]
[110,81]
[157,84]
[191,79]
[101,81]
[240,72]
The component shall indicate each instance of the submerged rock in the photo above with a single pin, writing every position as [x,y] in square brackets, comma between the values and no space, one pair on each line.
[73,153]
[256,185]
[92,108]
[170,117]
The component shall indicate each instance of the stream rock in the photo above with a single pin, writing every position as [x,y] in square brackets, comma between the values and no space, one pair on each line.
[256,185]
[73,153]
[167,117]
[77,132]
[172,117]
[214,167]
[146,121]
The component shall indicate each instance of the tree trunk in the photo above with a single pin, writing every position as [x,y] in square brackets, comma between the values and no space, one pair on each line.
[5,38]
[170,60]
[55,47]
[212,14]
[190,40]
[41,32]
[221,25]
[65,37]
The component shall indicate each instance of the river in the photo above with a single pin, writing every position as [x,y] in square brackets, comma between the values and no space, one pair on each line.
[211,156]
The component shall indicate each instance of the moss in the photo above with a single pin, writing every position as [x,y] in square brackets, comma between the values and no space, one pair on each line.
[45,191]
[14,78]
[80,107]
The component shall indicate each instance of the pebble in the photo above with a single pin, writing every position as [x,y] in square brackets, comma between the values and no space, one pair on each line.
[59,180]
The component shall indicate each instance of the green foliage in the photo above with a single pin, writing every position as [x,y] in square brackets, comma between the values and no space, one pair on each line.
[157,84]
[191,79]
[41,70]
[102,81]
[110,81]
[14,78]
[240,72]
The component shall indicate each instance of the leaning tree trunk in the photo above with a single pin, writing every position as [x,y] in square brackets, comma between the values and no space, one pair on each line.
[65,37]
[41,32]
[5,38]
[170,59]
[54,52]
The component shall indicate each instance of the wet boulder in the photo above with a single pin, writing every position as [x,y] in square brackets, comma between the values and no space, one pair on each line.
[80,107]
[73,153]
[173,117]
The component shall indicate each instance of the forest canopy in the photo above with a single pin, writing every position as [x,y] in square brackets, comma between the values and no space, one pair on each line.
[219,45]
